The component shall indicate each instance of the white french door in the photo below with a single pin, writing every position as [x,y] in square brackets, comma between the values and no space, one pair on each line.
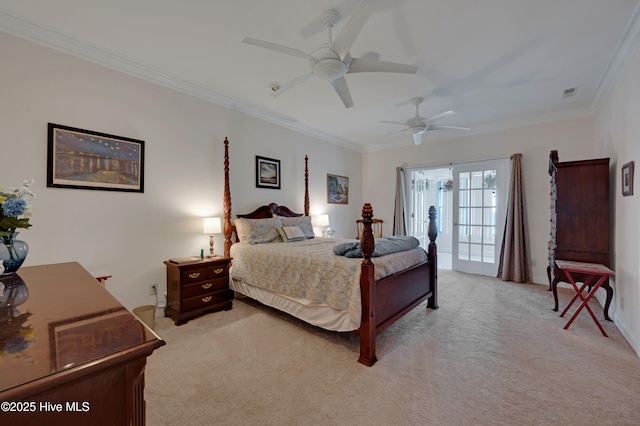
[479,201]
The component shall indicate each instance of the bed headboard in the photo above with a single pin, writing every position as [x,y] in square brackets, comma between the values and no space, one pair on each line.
[270,210]
[261,212]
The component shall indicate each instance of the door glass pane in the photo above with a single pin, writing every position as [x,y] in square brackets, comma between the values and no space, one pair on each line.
[476,180]
[489,236]
[488,253]
[475,234]
[489,197]
[463,234]
[463,198]
[489,216]
[475,216]
[463,217]
[463,251]
[463,181]
[475,252]
[476,197]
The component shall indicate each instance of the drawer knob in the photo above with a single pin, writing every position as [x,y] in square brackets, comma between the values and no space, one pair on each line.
[218,271]
[207,299]
[206,286]
[194,275]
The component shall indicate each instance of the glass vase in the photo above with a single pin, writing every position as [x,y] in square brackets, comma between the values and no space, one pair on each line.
[12,253]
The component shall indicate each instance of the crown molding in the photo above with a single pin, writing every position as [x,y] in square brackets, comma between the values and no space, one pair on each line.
[620,58]
[55,40]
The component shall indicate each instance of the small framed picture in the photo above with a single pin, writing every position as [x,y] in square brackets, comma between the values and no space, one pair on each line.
[84,159]
[267,173]
[337,189]
[627,179]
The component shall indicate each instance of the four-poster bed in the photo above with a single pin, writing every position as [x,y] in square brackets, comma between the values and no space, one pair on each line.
[360,297]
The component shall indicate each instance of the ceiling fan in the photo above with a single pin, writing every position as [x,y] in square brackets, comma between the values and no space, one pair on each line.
[332,60]
[417,125]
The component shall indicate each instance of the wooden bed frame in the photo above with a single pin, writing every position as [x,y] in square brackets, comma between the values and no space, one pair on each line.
[383,301]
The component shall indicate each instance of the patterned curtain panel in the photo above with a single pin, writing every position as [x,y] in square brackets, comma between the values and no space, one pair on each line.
[399,214]
[515,254]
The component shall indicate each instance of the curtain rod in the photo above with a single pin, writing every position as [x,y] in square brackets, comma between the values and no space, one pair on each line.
[456,162]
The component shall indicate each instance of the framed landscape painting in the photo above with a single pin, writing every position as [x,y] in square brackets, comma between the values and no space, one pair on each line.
[337,189]
[267,173]
[78,158]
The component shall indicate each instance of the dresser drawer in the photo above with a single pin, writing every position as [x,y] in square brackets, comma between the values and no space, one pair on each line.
[203,287]
[198,274]
[207,299]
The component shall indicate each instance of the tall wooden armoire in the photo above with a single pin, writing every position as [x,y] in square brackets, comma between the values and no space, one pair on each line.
[580,218]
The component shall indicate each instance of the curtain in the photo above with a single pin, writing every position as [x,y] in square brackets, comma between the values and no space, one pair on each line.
[515,255]
[399,214]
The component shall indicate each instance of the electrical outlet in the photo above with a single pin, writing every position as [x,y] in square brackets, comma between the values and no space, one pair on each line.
[153,289]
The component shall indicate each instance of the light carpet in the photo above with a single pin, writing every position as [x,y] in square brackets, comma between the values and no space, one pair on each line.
[493,354]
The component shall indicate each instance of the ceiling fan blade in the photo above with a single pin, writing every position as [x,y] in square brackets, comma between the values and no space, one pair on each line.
[417,138]
[312,28]
[277,47]
[439,127]
[340,85]
[373,65]
[352,28]
[392,122]
[291,84]
[344,8]
[440,116]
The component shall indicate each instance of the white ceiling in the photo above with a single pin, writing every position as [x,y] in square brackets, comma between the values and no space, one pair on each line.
[496,63]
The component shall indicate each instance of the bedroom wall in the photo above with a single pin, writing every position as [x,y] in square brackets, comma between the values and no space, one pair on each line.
[574,139]
[618,131]
[129,235]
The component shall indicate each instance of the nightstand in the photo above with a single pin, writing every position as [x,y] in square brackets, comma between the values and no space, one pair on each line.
[194,288]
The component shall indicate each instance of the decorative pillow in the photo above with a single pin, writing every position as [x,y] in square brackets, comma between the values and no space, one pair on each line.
[291,233]
[302,222]
[257,231]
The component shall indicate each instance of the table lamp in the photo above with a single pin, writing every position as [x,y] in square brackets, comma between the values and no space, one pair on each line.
[322,221]
[211,226]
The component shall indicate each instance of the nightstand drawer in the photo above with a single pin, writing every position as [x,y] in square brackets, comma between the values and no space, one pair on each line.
[207,299]
[199,274]
[203,287]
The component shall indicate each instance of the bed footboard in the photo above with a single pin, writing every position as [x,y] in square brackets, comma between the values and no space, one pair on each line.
[387,300]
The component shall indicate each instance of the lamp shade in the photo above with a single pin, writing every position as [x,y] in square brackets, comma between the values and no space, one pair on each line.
[211,225]
[321,220]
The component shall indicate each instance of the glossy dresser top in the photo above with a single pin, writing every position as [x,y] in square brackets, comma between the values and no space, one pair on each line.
[57,317]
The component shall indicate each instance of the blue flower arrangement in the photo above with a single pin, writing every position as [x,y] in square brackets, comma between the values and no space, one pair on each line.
[15,209]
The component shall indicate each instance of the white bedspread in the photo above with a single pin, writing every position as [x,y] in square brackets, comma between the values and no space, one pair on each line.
[309,272]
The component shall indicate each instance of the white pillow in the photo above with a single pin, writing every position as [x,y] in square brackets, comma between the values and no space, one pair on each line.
[291,233]
[257,231]
[302,222]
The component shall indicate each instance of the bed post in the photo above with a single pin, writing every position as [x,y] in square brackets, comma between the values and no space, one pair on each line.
[306,185]
[432,256]
[227,201]
[367,291]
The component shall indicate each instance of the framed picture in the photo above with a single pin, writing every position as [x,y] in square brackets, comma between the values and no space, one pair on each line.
[84,159]
[267,173]
[627,179]
[337,189]
[81,339]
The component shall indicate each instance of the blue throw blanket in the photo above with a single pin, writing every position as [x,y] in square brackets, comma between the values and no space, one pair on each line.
[384,245]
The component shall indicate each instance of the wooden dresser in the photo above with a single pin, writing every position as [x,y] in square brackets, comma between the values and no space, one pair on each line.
[73,355]
[197,287]
[580,218]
